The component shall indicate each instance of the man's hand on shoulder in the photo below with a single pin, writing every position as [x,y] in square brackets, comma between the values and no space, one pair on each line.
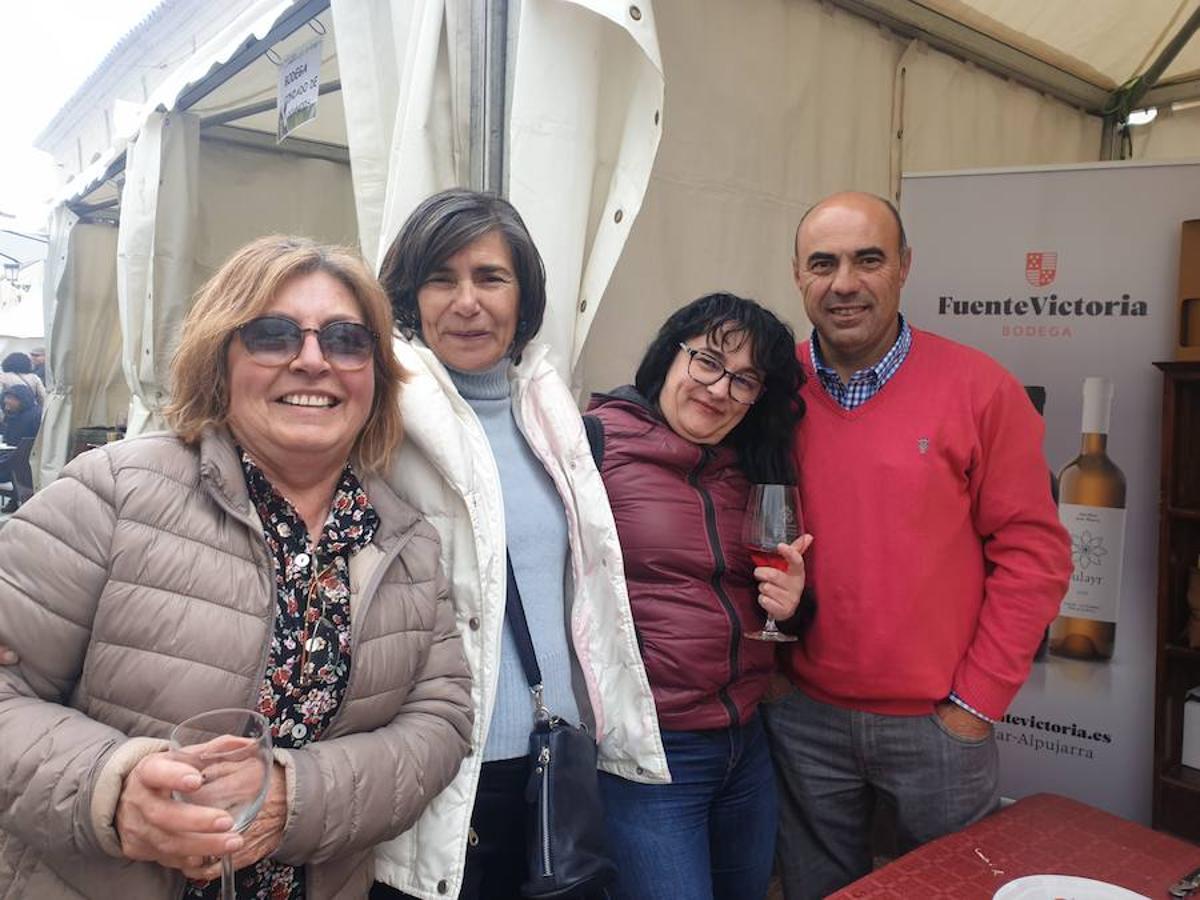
[962,723]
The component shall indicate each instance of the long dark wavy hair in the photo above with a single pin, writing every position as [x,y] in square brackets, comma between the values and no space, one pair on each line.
[763,439]
[446,223]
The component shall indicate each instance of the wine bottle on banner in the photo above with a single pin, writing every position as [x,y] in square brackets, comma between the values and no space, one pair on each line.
[1092,508]
[1037,396]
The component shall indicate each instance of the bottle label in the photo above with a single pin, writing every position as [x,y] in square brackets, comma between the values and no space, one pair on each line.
[1097,546]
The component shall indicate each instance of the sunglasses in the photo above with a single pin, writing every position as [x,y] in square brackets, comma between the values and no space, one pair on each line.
[276,341]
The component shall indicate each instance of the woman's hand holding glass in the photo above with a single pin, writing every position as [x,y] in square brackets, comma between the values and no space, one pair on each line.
[778,590]
[260,839]
[155,827]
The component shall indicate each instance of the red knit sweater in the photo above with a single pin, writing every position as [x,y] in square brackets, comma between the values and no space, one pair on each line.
[938,557]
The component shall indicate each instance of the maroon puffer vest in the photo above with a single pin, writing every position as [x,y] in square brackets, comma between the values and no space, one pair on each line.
[678,508]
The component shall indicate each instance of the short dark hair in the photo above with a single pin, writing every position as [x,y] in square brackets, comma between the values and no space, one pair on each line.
[441,226]
[891,207]
[17,362]
[763,439]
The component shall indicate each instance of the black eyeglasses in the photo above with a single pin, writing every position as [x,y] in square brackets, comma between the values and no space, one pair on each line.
[276,341]
[708,370]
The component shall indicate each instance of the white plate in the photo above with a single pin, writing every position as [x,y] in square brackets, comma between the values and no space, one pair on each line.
[1063,887]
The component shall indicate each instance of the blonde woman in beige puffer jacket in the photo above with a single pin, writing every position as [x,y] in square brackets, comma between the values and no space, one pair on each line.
[144,586]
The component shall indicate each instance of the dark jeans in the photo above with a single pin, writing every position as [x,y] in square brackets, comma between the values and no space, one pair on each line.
[835,765]
[708,834]
[496,863]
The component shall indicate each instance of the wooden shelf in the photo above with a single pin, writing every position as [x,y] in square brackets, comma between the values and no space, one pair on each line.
[1182,369]
[1176,787]
[1183,777]
[1178,651]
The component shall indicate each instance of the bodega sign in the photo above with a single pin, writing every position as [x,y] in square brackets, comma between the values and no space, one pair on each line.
[299,88]
[1048,305]
[1041,269]
[1031,267]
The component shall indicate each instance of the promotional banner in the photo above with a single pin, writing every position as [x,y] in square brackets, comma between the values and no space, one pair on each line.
[1068,277]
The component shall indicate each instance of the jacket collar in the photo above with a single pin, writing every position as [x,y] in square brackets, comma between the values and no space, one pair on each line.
[670,446]
[221,471]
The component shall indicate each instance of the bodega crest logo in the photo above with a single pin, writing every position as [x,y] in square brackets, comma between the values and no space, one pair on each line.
[1041,269]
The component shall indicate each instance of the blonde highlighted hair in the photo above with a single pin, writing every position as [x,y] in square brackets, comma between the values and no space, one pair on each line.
[241,290]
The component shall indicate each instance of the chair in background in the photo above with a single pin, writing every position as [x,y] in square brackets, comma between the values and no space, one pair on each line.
[19,487]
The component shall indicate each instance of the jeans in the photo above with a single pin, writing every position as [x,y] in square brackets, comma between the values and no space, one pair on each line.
[708,834]
[835,764]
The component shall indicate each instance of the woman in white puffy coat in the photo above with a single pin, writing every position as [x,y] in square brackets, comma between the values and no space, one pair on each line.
[496,458]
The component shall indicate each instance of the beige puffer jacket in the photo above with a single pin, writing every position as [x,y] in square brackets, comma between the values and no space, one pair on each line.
[138,590]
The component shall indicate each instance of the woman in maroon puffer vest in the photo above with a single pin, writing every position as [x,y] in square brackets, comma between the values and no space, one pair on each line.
[713,409]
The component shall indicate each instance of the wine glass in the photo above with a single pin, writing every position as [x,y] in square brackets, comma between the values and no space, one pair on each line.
[231,748]
[772,518]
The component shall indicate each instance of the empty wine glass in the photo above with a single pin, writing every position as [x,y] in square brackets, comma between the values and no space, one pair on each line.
[772,518]
[231,749]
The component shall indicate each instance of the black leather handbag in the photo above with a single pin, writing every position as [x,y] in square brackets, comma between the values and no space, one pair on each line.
[566,845]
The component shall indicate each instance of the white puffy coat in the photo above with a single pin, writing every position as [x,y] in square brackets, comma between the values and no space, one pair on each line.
[445,468]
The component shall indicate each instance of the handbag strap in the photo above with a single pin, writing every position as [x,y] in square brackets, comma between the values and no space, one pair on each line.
[514,615]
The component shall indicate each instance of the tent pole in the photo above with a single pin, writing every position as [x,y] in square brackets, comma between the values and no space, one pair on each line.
[1150,78]
[489,83]
[1130,95]
[1108,136]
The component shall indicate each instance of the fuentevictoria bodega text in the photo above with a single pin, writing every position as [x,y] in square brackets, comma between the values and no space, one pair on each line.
[1044,305]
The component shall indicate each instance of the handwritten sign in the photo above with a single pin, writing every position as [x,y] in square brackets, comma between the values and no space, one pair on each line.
[299,87]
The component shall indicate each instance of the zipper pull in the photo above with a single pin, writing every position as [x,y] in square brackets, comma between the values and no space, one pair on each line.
[537,774]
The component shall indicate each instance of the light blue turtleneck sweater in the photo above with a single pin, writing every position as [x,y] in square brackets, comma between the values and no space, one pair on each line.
[536,529]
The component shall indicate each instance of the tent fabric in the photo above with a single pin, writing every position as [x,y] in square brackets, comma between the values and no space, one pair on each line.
[1173,135]
[244,193]
[155,252]
[584,130]
[406,69]
[83,341]
[763,118]
[953,115]
[1105,42]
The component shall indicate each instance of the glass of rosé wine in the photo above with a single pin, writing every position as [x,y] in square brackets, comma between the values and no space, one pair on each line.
[772,518]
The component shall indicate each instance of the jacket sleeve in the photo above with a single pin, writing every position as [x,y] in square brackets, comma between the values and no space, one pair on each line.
[379,782]
[1026,550]
[54,561]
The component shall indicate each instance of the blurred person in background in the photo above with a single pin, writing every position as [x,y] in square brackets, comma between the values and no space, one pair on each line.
[37,356]
[22,415]
[17,369]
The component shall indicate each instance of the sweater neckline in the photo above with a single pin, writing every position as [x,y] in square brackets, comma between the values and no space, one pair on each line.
[900,376]
[486,384]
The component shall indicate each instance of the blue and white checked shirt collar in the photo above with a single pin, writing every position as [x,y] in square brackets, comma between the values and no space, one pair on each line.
[865,383]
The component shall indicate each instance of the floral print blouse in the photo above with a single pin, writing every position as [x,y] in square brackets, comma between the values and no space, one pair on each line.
[308,665]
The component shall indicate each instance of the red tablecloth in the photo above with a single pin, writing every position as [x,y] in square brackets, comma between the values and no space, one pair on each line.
[1042,834]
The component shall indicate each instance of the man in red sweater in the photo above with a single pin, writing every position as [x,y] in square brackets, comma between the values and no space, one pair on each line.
[938,560]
